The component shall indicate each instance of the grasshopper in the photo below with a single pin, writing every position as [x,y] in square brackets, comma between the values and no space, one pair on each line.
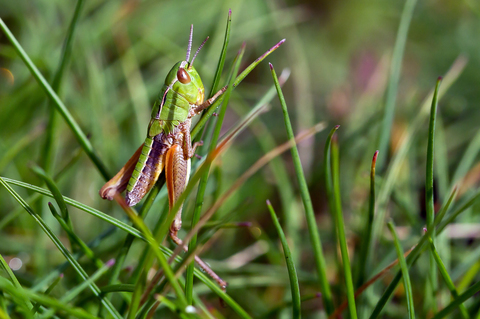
[168,144]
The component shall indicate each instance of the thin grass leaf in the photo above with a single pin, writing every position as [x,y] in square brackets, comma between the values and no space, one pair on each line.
[56,194]
[203,180]
[429,200]
[77,131]
[25,302]
[404,268]
[61,248]
[92,211]
[74,238]
[395,166]
[413,256]
[307,202]
[238,79]
[473,199]
[137,295]
[395,67]
[47,158]
[367,235]
[138,222]
[47,292]
[446,278]
[338,214]
[292,272]
[74,292]
[122,254]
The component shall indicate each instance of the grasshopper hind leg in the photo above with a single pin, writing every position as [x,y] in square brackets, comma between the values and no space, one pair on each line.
[177,171]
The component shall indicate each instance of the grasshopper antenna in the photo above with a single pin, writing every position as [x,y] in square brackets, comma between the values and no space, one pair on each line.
[189,49]
[201,46]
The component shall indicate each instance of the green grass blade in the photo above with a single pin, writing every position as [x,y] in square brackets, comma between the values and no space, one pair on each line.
[460,210]
[77,131]
[203,180]
[307,202]
[47,292]
[169,274]
[347,271]
[92,211]
[55,192]
[467,159]
[395,167]
[81,272]
[74,238]
[15,282]
[404,268]
[74,292]
[458,301]
[221,62]
[327,168]
[429,200]
[238,79]
[394,78]
[47,157]
[122,254]
[412,257]
[292,272]
[446,278]
[46,301]
[367,235]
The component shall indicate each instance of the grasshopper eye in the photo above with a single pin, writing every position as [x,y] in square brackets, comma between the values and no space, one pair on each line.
[183,76]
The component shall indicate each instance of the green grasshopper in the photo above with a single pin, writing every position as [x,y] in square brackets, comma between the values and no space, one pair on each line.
[168,144]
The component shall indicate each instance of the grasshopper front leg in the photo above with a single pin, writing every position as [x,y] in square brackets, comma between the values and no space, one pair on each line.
[210,101]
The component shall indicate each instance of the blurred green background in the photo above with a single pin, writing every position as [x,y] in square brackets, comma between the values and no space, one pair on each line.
[338,53]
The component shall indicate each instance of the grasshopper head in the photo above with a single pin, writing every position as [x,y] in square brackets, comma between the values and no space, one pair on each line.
[184,80]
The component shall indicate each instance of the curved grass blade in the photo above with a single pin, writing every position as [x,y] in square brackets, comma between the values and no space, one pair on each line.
[56,194]
[404,269]
[81,272]
[338,215]
[396,65]
[292,272]
[77,131]
[307,202]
